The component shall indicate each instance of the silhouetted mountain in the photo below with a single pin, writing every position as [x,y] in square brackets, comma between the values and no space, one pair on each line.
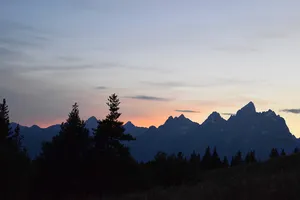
[134,130]
[91,123]
[244,131]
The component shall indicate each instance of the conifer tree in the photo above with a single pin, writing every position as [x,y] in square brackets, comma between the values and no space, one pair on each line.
[250,157]
[14,163]
[63,158]
[207,159]
[237,159]
[282,153]
[274,153]
[5,130]
[109,133]
[225,162]
[195,159]
[17,139]
[114,164]
[215,159]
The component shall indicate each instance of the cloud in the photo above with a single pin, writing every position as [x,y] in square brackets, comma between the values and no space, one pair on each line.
[293,111]
[228,114]
[69,58]
[101,88]
[167,84]
[237,49]
[8,55]
[148,98]
[213,83]
[17,35]
[187,111]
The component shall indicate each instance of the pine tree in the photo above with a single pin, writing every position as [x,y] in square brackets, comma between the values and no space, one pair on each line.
[114,164]
[237,159]
[14,162]
[215,159]
[17,139]
[5,130]
[207,159]
[274,153]
[250,157]
[195,159]
[282,153]
[225,162]
[110,132]
[63,158]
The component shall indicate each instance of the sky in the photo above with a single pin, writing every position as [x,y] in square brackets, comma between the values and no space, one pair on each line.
[162,58]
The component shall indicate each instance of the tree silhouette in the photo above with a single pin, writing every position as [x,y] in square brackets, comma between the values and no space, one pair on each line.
[112,157]
[63,158]
[14,162]
[225,162]
[296,150]
[215,159]
[207,159]
[282,153]
[110,131]
[17,139]
[5,130]
[237,159]
[274,153]
[250,157]
[195,159]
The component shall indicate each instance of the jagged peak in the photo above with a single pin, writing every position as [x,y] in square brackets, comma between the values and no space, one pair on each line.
[170,118]
[129,123]
[34,126]
[93,118]
[182,116]
[213,118]
[270,113]
[247,109]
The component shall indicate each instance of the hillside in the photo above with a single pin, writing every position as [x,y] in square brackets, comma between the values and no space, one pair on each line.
[277,178]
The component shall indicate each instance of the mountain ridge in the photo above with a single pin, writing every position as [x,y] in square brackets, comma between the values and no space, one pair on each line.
[248,129]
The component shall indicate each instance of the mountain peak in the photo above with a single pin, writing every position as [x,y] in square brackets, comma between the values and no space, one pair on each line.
[181,116]
[129,124]
[247,109]
[213,118]
[92,119]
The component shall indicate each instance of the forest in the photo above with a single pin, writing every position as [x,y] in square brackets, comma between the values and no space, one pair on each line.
[81,164]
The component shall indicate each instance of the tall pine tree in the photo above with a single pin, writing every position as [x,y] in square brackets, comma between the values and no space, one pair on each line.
[14,162]
[274,153]
[114,162]
[5,130]
[206,162]
[215,159]
[64,157]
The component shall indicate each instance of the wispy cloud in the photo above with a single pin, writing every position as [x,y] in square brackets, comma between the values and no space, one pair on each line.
[213,83]
[69,58]
[293,111]
[101,88]
[18,35]
[188,111]
[237,49]
[148,98]
[228,114]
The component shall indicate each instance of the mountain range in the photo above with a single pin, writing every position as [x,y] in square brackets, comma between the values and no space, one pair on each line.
[246,130]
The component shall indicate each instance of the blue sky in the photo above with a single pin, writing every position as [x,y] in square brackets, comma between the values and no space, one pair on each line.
[159,56]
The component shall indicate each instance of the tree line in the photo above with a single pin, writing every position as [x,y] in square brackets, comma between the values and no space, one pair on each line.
[76,162]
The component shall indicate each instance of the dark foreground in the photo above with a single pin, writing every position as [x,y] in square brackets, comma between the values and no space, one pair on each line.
[278,178]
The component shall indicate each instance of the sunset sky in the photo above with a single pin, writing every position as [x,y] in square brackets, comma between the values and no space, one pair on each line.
[161,57]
